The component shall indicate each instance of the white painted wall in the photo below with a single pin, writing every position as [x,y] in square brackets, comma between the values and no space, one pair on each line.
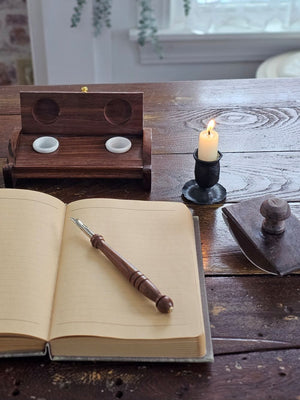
[64,55]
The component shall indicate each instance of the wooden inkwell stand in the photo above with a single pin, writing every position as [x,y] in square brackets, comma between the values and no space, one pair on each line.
[82,122]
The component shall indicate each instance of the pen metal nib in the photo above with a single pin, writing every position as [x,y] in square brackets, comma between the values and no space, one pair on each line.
[83,227]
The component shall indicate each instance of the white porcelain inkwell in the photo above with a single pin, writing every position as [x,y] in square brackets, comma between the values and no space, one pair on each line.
[118,144]
[45,144]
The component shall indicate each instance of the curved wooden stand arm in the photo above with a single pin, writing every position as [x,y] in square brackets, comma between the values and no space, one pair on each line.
[147,167]
[163,303]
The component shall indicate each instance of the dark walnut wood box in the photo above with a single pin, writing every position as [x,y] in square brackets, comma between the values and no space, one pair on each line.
[82,123]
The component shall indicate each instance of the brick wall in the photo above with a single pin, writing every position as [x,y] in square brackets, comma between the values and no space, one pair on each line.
[15,54]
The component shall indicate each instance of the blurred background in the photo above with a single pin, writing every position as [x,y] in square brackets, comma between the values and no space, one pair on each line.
[193,39]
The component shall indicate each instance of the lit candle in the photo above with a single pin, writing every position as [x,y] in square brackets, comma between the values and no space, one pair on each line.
[208,143]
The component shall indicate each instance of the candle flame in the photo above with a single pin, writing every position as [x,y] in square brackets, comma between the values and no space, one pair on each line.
[211,125]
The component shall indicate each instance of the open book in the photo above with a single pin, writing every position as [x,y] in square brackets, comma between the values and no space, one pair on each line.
[57,291]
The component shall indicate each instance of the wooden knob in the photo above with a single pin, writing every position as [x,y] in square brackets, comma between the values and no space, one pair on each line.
[275,211]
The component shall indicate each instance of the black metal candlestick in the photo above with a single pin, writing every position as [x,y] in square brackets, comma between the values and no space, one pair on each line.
[205,189]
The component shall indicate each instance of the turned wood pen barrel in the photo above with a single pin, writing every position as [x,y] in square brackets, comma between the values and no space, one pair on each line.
[138,280]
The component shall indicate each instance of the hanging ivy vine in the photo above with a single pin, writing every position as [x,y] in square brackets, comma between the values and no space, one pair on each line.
[75,19]
[147,25]
[187,7]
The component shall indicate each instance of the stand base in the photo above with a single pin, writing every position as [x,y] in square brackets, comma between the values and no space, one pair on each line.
[198,195]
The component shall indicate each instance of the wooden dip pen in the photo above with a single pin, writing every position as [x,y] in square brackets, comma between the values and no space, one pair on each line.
[136,278]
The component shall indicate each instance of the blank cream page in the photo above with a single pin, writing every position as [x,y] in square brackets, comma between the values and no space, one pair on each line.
[31,226]
[93,298]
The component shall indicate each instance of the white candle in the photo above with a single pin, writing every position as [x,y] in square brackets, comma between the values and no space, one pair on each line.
[208,143]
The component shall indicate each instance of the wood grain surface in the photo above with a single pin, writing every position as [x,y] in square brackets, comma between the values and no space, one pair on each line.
[254,316]
[256,375]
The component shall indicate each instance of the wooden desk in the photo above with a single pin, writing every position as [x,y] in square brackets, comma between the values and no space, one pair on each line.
[255,317]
